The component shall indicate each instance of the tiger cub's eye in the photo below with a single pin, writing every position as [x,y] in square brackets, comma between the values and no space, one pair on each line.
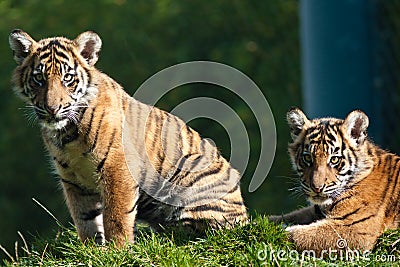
[307,158]
[68,77]
[38,78]
[335,160]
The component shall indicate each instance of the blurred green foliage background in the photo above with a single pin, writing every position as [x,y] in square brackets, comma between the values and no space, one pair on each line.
[140,38]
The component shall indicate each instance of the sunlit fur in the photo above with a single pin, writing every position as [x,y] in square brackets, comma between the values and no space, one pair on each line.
[82,113]
[351,183]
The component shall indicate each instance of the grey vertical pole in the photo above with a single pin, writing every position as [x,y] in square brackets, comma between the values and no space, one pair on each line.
[336,57]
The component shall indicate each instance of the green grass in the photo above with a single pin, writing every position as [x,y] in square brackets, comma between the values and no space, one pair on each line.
[259,243]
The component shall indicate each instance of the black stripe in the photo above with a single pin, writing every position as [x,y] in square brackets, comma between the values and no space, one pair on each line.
[45,55]
[394,203]
[234,203]
[61,54]
[97,131]
[349,158]
[190,141]
[113,85]
[360,220]
[313,136]
[237,203]
[91,215]
[89,126]
[137,123]
[123,103]
[341,166]
[330,142]
[213,171]
[70,183]
[69,137]
[179,166]
[364,234]
[75,64]
[62,164]
[24,93]
[392,208]
[331,136]
[231,216]
[24,80]
[132,209]
[347,215]
[89,76]
[388,180]
[82,113]
[148,126]
[165,126]
[340,200]
[354,154]
[208,207]
[81,190]
[370,151]
[55,43]
[101,164]
[233,189]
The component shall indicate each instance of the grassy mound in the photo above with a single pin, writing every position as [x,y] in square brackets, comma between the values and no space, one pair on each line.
[258,243]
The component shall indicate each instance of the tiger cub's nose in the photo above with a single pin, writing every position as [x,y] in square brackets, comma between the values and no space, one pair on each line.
[317,188]
[52,109]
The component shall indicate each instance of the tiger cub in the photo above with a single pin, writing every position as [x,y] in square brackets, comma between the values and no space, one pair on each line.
[118,159]
[352,184]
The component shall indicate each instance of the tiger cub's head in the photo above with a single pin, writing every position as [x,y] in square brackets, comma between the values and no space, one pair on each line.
[53,76]
[329,154]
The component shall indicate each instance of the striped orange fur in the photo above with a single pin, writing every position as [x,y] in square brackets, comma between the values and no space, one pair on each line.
[114,154]
[352,184]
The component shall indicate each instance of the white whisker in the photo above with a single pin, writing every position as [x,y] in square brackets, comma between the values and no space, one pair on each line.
[30,114]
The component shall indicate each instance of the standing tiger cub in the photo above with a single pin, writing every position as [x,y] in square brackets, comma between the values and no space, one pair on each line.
[118,159]
[352,184]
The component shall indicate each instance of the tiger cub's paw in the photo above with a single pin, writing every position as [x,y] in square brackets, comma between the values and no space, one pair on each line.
[301,234]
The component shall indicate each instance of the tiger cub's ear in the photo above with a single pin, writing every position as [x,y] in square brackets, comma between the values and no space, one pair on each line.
[89,45]
[356,124]
[21,44]
[296,120]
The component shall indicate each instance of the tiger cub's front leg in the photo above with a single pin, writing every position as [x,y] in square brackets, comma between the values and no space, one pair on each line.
[86,209]
[303,216]
[121,193]
[106,216]
[330,235]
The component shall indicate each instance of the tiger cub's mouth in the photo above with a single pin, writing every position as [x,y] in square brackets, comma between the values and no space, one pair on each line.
[320,199]
[52,122]
[55,124]
[57,120]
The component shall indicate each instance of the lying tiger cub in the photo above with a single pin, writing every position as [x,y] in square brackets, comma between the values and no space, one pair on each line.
[353,184]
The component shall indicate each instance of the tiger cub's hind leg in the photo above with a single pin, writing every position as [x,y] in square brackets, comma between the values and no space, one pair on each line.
[87,212]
